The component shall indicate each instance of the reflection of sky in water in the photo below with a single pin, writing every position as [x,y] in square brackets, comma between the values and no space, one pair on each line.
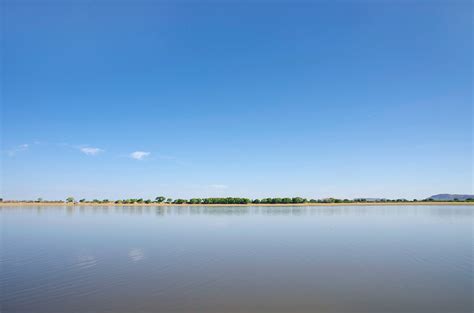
[85,261]
[136,255]
[235,259]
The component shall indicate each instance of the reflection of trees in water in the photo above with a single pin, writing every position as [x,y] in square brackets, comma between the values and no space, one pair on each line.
[284,211]
[205,210]
[163,211]
[219,210]
[323,211]
[70,210]
[140,210]
[131,210]
[160,211]
[452,212]
[99,209]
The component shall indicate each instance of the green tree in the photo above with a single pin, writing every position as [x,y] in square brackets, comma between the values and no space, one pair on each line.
[69,199]
[298,200]
[160,199]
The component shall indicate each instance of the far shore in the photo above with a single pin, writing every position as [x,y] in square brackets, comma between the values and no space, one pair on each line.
[89,204]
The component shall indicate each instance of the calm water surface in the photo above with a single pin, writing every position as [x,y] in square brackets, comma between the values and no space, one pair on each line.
[407,259]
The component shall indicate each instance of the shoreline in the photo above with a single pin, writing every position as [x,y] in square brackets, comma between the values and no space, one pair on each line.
[16,204]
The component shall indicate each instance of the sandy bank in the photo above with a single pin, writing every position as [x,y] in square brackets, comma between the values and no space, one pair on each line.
[10,204]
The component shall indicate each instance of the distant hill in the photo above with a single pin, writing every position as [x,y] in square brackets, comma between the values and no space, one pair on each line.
[447,197]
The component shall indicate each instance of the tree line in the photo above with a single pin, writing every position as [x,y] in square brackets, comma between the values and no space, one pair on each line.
[236,200]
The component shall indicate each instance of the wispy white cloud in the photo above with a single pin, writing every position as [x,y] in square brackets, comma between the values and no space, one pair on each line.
[139,155]
[17,149]
[219,186]
[91,150]
[209,187]
[86,149]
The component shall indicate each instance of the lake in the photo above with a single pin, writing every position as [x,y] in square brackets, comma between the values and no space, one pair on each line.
[337,259]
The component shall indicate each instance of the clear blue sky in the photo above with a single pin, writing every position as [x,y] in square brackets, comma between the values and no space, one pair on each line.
[132,99]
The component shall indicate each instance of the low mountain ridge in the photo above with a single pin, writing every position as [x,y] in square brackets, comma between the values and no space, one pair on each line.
[450,197]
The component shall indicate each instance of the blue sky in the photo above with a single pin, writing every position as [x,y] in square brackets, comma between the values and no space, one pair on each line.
[134,99]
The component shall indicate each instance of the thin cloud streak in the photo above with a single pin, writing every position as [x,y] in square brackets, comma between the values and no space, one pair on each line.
[219,186]
[86,149]
[17,149]
[91,150]
[139,155]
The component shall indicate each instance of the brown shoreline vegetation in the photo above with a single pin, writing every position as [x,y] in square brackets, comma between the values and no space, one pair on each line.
[92,204]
